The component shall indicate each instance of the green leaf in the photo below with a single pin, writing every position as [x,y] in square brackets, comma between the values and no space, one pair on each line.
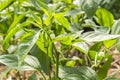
[9,60]
[112,78]
[67,36]
[71,63]
[65,39]
[102,29]
[102,73]
[72,73]
[104,17]
[41,43]
[49,17]
[4,4]
[116,30]
[96,46]
[82,46]
[109,43]
[116,27]
[43,58]
[74,13]
[62,37]
[10,35]
[68,1]
[90,7]
[40,5]
[4,26]
[37,19]
[17,19]
[26,45]
[73,77]
[97,36]
[46,1]
[118,44]
[50,48]
[92,54]
[33,77]
[14,27]
[61,20]
[31,63]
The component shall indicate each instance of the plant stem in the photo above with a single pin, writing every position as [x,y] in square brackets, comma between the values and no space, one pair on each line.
[89,59]
[42,75]
[49,65]
[57,64]
[57,58]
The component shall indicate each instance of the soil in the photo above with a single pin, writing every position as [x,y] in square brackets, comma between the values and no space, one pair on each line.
[115,65]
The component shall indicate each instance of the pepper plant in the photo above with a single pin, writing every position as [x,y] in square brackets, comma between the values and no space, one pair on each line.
[58,39]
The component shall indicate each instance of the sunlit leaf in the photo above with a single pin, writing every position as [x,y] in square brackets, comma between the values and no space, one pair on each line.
[31,63]
[116,27]
[9,36]
[26,45]
[82,46]
[97,36]
[72,73]
[40,5]
[104,17]
[9,60]
[92,54]
[71,63]
[109,43]
[17,19]
[67,36]
[61,20]
[5,4]
[96,46]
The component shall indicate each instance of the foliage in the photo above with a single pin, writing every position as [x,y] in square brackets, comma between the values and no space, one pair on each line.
[58,39]
[113,6]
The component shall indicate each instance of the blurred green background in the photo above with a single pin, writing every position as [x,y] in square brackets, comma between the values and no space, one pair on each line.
[113,6]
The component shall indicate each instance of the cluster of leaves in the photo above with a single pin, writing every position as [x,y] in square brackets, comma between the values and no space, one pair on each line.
[45,36]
